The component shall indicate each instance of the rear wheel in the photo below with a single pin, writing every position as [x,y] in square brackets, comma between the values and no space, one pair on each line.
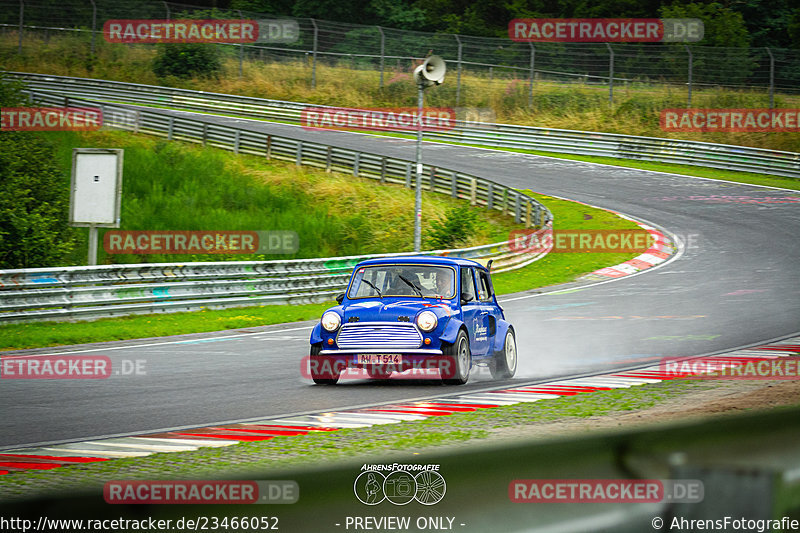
[323,370]
[505,361]
[459,361]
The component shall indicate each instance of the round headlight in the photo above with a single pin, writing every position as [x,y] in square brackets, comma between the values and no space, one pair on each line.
[331,321]
[426,320]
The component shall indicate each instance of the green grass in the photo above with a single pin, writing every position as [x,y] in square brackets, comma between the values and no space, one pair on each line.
[551,270]
[324,447]
[179,186]
[574,106]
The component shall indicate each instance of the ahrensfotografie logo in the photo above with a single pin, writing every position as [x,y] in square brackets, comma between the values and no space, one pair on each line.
[400,484]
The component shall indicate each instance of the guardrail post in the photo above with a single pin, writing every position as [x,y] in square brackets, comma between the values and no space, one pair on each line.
[454,184]
[170,127]
[269,146]
[383,43]
[314,56]
[458,73]
[383,170]
[490,196]
[610,75]
[299,160]
[528,214]
[517,214]
[408,175]
[689,76]
[205,134]
[537,215]
[473,190]
[432,182]
[137,121]
[356,161]
[236,141]
[531,75]
[328,159]
[505,201]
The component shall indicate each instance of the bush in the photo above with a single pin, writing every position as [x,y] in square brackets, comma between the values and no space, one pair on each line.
[187,60]
[459,223]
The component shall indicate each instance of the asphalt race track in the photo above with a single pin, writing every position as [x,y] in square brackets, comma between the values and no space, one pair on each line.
[736,282]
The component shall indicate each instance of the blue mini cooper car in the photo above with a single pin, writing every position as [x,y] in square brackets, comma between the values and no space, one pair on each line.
[418,312]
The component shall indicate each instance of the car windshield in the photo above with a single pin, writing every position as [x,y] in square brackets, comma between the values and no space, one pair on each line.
[421,281]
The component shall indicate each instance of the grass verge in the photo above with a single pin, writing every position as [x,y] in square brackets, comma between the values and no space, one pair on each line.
[550,270]
[321,447]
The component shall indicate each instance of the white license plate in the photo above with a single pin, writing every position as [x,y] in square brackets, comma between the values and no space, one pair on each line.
[379,359]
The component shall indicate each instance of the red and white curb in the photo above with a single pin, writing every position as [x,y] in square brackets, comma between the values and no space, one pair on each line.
[659,252]
[56,456]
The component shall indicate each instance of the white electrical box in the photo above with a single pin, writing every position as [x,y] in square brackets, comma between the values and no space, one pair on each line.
[96,187]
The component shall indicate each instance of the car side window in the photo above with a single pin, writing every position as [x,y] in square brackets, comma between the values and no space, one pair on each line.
[484,287]
[467,285]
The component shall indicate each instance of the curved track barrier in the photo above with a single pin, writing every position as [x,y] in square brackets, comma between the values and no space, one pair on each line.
[719,156]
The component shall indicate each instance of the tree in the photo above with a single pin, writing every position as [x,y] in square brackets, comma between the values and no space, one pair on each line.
[34,196]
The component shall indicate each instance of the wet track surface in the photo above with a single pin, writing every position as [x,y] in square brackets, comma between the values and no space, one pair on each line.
[736,282]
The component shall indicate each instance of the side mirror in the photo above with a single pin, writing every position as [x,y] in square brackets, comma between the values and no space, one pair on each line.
[340,298]
[466,298]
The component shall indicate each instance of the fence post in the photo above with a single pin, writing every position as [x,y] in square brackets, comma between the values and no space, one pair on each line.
[490,196]
[383,44]
[610,75]
[691,61]
[517,214]
[269,146]
[771,79]
[314,56]
[21,19]
[531,75]
[166,8]
[458,75]
[94,24]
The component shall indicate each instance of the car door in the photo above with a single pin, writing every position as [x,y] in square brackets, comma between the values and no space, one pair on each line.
[473,313]
[490,312]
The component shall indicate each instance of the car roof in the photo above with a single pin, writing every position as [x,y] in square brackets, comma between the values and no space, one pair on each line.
[422,259]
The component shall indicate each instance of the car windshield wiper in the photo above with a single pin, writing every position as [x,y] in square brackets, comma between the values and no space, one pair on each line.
[374,287]
[410,284]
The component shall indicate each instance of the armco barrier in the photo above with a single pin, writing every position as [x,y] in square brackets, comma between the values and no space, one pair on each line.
[720,156]
[92,292]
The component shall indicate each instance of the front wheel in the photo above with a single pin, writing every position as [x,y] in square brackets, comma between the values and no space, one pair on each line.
[504,365]
[458,361]
[323,371]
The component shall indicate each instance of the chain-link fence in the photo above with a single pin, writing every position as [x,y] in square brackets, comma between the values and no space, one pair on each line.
[679,67]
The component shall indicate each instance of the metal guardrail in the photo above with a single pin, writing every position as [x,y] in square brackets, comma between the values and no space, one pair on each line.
[695,153]
[91,292]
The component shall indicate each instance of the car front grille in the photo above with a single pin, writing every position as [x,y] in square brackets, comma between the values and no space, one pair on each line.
[366,335]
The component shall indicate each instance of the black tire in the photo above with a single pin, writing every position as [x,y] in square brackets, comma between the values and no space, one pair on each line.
[460,359]
[505,361]
[321,373]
